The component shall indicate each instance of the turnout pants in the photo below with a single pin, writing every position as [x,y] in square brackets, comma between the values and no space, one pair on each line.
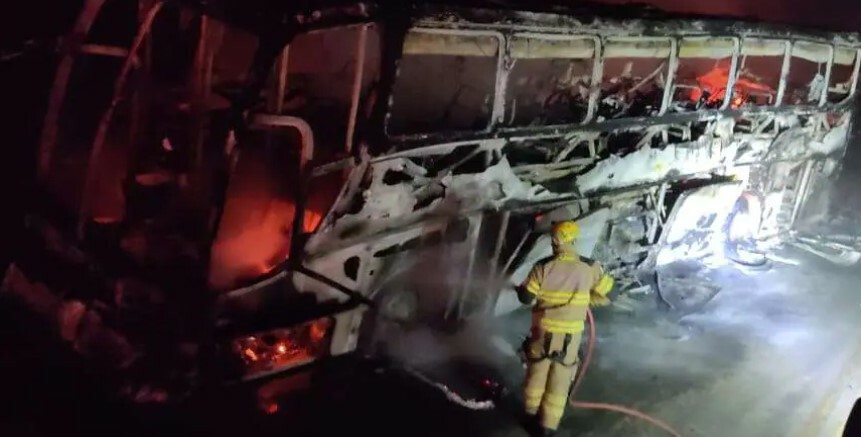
[551,367]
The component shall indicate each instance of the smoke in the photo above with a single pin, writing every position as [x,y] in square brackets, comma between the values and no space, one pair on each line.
[462,354]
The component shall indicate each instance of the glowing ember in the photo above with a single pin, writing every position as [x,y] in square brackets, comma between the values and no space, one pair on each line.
[318,330]
[285,347]
[270,408]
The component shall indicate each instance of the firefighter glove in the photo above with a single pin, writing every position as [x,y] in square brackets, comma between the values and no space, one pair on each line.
[596,300]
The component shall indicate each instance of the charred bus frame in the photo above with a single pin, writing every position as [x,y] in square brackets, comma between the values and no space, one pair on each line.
[706,144]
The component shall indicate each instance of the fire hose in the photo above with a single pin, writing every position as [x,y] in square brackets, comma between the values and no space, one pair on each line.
[472,404]
[485,405]
[581,372]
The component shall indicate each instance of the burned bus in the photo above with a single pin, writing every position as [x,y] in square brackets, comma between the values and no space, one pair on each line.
[261,190]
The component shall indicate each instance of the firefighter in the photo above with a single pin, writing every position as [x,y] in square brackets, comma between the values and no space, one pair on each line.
[561,288]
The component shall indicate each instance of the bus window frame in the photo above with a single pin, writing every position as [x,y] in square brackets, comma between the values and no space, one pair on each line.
[823,98]
[734,53]
[672,60]
[594,86]
[498,108]
[784,66]
[269,122]
[853,87]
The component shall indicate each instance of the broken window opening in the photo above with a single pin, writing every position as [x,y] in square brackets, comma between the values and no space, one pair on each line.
[321,70]
[808,69]
[549,82]
[842,74]
[702,75]
[635,74]
[759,72]
[255,231]
[446,82]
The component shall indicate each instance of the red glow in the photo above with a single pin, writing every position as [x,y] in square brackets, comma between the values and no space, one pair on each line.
[260,240]
[271,408]
[317,330]
[287,347]
[715,81]
[256,226]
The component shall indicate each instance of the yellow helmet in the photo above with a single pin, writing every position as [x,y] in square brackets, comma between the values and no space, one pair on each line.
[565,232]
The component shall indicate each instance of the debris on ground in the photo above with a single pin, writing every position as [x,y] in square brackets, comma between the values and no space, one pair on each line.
[685,286]
[451,395]
[826,247]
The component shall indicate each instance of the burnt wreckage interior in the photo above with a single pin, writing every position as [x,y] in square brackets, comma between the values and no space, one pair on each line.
[254,187]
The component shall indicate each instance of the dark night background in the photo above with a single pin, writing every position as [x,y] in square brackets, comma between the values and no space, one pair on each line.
[28,36]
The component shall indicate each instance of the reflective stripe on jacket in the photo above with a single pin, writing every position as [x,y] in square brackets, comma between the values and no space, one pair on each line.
[561,286]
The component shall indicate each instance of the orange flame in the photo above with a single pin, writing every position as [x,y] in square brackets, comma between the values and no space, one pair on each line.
[255,232]
[259,243]
[715,82]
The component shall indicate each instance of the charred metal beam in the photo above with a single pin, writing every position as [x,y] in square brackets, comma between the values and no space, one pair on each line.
[493,285]
[514,255]
[358,76]
[561,15]
[268,18]
[276,100]
[672,71]
[61,83]
[784,74]
[352,294]
[107,116]
[396,22]
[800,190]
[613,125]
[457,299]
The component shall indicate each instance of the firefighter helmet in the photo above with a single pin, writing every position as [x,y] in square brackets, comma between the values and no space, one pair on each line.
[565,232]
